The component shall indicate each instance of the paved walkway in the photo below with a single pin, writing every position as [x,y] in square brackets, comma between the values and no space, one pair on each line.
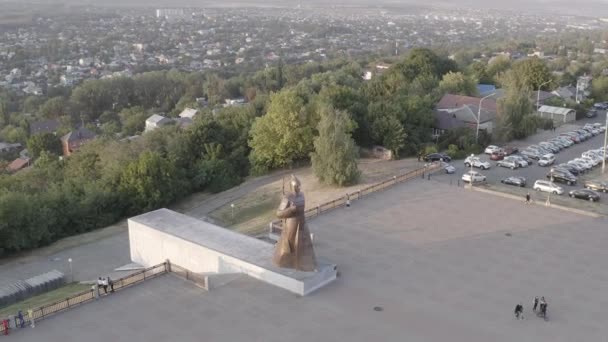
[435,259]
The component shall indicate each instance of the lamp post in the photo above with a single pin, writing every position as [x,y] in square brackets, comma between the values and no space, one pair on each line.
[471,174]
[71,271]
[479,116]
[548,203]
[605,143]
[538,95]
[232,207]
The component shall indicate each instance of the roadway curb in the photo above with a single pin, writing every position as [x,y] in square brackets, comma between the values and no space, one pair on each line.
[542,204]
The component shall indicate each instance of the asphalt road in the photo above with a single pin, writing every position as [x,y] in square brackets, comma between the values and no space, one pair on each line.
[534,172]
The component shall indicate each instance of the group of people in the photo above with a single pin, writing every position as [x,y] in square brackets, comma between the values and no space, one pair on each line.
[537,304]
[104,283]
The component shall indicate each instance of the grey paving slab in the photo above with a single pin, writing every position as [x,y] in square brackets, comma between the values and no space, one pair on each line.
[422,251]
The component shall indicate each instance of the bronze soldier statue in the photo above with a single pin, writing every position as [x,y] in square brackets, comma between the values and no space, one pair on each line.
[294,249]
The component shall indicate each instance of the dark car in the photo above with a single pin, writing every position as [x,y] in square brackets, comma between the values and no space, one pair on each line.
[585,194]
[597,186]
[531,154]
[591,114]
[437,157]
[517,181]
[568,168]
[497,156]
[509,150]
[562,177]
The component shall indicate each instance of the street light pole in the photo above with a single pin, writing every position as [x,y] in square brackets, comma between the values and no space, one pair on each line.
[232,206]
[538,95]
[605,143]
[479,116]
[71,271]
[471,177]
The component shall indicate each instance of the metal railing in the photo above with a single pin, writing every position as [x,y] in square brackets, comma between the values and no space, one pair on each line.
[276,226]
[84,297]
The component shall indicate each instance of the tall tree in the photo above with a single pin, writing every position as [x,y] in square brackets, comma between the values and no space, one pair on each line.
[283,135]
[46,142]
[334,160]
[458,83]
[533,73]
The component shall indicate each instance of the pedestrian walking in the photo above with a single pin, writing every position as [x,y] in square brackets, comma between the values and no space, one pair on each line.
[101,282]
[111,283]
[528,198]
[519,311]
[535,302]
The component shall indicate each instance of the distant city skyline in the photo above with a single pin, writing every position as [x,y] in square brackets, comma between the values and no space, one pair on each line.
[595,8]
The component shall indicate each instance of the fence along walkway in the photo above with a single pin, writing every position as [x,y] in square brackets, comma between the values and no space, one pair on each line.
[86,296]
[276,226]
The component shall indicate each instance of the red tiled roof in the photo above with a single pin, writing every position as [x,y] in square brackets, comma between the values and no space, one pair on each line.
[18,164]
[449,101]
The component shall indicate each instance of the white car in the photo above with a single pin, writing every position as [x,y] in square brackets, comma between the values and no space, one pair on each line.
[491,149]
[546,160]
[476,162]
[546,186]
[473,177]
[449,169]
[593,161]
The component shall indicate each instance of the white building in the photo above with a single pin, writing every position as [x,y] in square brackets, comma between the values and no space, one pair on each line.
[188,113]
[155,121]
[559,115]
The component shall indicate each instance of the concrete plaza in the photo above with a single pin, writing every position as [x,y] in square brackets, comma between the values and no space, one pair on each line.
[443,264]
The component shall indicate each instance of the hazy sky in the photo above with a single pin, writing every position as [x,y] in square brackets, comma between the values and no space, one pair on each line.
[575,7]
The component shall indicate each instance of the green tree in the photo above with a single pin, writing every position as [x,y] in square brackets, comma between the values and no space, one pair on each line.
[334,160]
[148,183]
[54,108]
[46,142]
[133,120]
[533,73]
[458,83]
[283,135]
[599,88]
[516,119]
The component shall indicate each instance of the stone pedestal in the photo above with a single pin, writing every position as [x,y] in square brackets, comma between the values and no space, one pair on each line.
[204,248]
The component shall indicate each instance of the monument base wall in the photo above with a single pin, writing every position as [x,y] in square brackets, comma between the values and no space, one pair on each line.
[204,248]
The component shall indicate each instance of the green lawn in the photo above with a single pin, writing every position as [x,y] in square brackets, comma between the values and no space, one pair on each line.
[252,213]
[42,299]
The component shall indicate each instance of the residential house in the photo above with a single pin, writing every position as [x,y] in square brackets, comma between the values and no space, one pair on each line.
[45,126]
[559,115]
[567,93]
[155,121]
[234,102]
[485,89]
[455,111]
[188,113]
[539,97]
[7,147]
[18,164]
[72,141]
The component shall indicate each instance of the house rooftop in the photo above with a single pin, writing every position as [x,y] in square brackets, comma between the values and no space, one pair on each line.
[451,101]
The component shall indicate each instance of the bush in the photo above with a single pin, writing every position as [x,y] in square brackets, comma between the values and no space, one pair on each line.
[429,149]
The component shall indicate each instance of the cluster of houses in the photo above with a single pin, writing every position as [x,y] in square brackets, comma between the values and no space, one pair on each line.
[455,111]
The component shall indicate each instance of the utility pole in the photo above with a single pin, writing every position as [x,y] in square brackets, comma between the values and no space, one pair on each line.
[479,116]
[605,143]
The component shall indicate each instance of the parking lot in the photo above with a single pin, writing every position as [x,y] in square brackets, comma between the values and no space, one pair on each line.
[534,172]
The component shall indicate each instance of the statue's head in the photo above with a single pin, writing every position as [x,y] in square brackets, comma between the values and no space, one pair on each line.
[295,184]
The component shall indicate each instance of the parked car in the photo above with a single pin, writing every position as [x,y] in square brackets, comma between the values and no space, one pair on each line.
[596,185]
[519,160]
[449,169]
[437,157]
[476,162]
[600,105]
[569,168]
[508,163]
[562,177]
[524,157]
[517,181]
[585,194]
[546,186]
[497,155]
[491,149]
[509,150]
[546,160]
[532,154]
[473,177]
[548,146]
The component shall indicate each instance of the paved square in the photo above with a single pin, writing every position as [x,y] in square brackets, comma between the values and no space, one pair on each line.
[434,257]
